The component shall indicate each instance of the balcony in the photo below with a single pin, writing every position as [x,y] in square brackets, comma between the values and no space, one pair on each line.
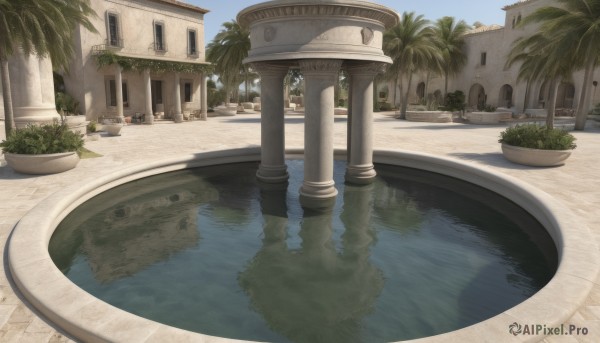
[113,45]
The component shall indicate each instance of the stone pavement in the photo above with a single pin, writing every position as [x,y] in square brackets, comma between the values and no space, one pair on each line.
[576,184]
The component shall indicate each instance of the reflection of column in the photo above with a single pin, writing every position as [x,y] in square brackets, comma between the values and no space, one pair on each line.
[318,248]
[178,115]
[272,168]
[149,117]
[356,216]
[274,210]
[360,168]
[119,89]
[32,88]
[203,97]
[320,78]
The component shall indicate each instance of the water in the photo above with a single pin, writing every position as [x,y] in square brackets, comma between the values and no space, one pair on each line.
[413,255]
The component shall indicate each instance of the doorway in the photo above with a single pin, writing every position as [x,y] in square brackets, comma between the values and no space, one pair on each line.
[157,96]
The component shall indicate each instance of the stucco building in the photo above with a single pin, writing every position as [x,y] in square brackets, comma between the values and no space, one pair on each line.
[486,81]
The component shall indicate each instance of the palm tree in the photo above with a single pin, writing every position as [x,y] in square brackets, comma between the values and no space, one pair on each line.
[227,51]
[411,46]
[543,59]
[41,27]
[449,38]
[577,20]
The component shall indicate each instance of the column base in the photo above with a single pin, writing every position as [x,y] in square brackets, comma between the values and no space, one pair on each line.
[178,117]
[272,174]
[318,194]
[360,175]
[34,115]
[149,119]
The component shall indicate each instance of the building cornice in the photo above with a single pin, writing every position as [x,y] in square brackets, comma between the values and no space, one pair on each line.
[333,8]
[518,4]
[183,5]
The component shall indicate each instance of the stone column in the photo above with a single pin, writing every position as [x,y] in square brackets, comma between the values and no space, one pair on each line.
[320,76]
[119,89]
[178,115]
[149,117]
[32,89]
[203,97]
[349,122]
[272,168]
[360,168]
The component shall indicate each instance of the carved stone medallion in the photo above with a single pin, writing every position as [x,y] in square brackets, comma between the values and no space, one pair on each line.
[270,33]
[367,35]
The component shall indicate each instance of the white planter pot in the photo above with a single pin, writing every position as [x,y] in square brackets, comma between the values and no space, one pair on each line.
[42,164]
[488,117]
[74,121]
[429,116]
[226,111]
[535,157]
[113,129]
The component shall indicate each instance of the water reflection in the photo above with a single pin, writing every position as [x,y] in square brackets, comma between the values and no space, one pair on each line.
[214,251]
[144,229]
[315,293]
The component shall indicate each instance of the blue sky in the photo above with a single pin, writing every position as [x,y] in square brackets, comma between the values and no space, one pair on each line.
[485,11]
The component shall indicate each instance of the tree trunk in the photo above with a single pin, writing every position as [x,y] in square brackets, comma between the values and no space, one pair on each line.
[9,121]
[584,99]
[395,99]
[445,88]
[427,85]
[553,90]
[405,101]
[400,93]
[527,91]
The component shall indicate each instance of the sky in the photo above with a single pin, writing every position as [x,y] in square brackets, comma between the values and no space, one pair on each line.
[486,11]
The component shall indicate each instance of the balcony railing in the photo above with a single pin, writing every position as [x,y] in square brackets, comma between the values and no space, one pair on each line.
[160,47]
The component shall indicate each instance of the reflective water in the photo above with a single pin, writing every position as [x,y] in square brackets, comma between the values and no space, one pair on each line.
[415,254]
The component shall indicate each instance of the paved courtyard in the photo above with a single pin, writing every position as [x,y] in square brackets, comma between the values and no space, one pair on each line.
[576,185]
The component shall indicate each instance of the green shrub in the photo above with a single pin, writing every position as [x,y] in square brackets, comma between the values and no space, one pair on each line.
[455,101]
[538,137]
[92,127]
[489,108]
[47,139]
[65,103]
[384,106]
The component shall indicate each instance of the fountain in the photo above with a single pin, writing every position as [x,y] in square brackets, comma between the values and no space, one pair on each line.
[320,38]
[242,248]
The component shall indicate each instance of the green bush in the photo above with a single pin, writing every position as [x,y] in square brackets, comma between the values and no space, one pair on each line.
[92,127]
[538,137]
[65,103]
[455,101]
[384,106]
[489,108]
[47,139]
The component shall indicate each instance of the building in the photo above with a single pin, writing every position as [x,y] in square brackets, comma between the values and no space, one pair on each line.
[161,45]
[486,81]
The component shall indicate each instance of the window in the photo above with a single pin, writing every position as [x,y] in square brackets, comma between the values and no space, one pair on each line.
[114,37]
[159,36]
[187,92]
[112,93]
[483,58]
[192,51]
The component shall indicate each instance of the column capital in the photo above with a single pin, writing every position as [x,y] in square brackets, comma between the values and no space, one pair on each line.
[320,66]
[370,68]
[270,69]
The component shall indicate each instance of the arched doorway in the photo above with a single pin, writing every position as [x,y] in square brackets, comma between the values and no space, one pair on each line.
[477,97]
[421,91]
[565,95]
[506,96]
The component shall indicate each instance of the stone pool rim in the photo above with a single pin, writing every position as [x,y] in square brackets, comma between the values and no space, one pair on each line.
[87,318]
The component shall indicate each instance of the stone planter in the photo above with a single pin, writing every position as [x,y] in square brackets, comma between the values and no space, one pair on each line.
[77,124]
[226,110]
[429,116]
[113,129]
[42,164]
[94,136]
[535,157]
[488,118]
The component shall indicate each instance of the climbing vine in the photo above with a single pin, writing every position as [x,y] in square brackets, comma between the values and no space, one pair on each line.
[107,58]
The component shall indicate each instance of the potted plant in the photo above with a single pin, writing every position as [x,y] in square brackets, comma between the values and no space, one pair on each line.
[68,108]
[537,146]
[429,112]
[47,149]
[489,115]
[92,131]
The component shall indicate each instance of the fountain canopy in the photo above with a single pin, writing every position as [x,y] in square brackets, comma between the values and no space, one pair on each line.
[313,29]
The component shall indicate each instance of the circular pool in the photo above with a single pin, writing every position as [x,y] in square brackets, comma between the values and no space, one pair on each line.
[358,267]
